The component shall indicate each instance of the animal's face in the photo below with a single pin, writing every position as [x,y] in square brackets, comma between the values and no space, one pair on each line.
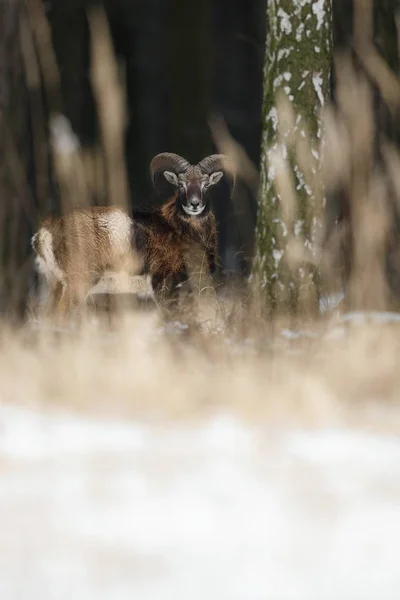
[192,186]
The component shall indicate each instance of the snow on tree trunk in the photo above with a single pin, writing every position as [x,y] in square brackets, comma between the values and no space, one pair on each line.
[297,64]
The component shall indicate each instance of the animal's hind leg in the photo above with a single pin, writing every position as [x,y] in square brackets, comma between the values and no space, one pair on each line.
[62,303]
[72,296]
[55,291]
[58,292]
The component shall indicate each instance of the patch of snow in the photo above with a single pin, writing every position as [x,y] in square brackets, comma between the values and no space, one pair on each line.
[277,254]
[277,82]
[308,189]
[286,26]
[282,226]
[317,82]
[318,8]
[174,327]
[110,510]
[283,53]
[315,154]
[291,334]
[273,117]
[328,302]
[299,32]
[361,318]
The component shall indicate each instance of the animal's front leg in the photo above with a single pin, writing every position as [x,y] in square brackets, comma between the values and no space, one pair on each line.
[56,290]
[197,262]
[200,264]
[212,262]
[166,292]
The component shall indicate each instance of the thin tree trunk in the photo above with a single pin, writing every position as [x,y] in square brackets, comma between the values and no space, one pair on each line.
[16,172]
[297,66]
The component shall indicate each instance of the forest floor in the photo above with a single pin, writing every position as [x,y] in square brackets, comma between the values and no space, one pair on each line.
[141,463]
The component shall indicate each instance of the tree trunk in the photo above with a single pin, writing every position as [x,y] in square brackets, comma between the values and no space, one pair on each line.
[16,172]
[297,66]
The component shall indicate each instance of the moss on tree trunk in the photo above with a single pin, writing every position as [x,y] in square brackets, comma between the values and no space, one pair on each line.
[297,63]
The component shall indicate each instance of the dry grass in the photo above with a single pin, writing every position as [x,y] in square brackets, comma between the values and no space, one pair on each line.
[330,375]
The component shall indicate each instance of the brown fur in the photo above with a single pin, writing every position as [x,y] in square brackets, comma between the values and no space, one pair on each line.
[180,240]
[83,245]
[175,243]
[174,248]
[80,232]
[168,247]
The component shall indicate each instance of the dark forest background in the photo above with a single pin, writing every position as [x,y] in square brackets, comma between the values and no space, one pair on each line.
[183,62]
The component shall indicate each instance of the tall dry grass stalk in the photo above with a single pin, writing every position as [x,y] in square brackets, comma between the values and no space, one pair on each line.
[110,102]
[65,150]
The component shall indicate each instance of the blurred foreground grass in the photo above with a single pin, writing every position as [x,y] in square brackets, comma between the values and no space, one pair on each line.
[334,373]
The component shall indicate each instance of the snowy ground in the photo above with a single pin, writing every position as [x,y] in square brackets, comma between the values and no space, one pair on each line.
[116,510]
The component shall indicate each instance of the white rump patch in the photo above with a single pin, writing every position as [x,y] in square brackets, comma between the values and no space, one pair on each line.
[46,262]
[118,226]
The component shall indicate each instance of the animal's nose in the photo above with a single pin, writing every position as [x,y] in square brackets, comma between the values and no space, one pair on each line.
[195,201]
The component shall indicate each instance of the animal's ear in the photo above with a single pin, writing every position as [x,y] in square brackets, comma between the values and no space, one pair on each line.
[215,177]
[171,177]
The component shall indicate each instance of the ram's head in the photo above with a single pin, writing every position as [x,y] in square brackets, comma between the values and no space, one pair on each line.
[191,183]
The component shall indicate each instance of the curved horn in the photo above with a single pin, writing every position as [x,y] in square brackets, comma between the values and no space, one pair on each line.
[219,162]
[167,161]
